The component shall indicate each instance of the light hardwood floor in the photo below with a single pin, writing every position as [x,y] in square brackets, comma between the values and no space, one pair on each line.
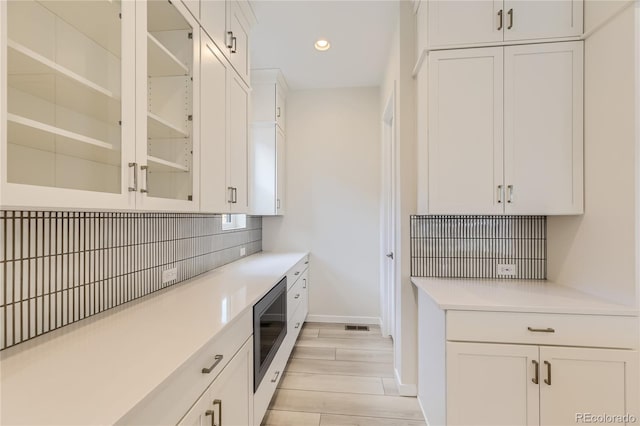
[341,378]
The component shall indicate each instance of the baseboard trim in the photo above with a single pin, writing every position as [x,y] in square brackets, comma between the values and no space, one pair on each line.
[344,319]
[423,413]
[404,389]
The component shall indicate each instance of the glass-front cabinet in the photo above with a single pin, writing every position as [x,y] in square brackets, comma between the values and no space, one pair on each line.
[97,104]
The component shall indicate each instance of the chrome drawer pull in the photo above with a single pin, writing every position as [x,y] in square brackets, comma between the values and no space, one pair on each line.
[536,379]
[297,325]
[548,379]
[306,263]
[218,402]
[297,273]
[218,358]
[297,296]
[541,330]
[275,378]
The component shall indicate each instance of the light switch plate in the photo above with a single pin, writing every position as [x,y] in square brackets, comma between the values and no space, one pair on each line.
[507,270]
[169,275]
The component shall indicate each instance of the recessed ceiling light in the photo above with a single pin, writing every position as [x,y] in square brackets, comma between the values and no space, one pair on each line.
[322,45]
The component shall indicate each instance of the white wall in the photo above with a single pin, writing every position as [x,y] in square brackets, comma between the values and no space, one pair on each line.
[399,76]
[596,252]
[333,196]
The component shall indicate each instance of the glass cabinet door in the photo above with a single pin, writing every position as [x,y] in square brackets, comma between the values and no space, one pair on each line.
[69,134]
[168,51]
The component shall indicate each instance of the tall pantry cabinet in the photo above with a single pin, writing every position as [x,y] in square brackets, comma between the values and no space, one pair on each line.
[100,105]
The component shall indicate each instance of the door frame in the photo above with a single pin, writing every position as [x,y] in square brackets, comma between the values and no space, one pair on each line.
[388,204]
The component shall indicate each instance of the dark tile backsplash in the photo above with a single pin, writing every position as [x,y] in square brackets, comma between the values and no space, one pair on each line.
[57,268]
[473,246]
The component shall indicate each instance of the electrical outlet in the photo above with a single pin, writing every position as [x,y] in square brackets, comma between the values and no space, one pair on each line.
[169,275]
[243,251]
[506,269]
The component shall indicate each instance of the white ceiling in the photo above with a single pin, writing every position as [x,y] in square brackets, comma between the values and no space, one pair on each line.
[360,33]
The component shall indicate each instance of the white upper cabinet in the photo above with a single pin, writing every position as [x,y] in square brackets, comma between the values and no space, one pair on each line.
[465,149]
[543,128]
[168,96]
[523,157]
[228,23]
[472,22]
[68,129]
[238,146]
[268,142]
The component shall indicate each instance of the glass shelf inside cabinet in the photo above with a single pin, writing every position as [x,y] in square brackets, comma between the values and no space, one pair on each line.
[63,94]
[170,92]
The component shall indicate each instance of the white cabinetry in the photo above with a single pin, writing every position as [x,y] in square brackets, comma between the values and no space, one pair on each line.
[229,399]
[521,368]
[228,23]
[505,130]
[268,142]
[238,148]
[453,23]
[101,107]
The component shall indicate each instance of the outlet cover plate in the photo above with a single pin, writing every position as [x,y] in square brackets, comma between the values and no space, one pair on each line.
[507,270]
[169,275]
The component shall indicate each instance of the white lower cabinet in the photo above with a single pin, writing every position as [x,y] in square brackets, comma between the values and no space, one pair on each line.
[229,399]
[500,384]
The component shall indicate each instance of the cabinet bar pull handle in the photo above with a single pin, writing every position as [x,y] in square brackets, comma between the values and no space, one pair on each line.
[218,402]
[211,413]
[536,378]
[297,325]
[235,195]
[230,189]
[541,330]
[306,263]
[145,190]
[134,188]
[234,43]
[510,13]
[218,358]
[499,194]
[297,296]
[509,193]
[548,379]
[278,203]
[278,114]
[500,20]
[230,39]
[305,283]
[275,378]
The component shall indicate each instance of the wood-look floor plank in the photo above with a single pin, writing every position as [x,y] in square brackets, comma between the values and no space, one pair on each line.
[338,420]
[332,383]
[290,418]
[364,355]
[390,407]
[390,386]
[309,332]
[320,342]
[345,368]
[314,353]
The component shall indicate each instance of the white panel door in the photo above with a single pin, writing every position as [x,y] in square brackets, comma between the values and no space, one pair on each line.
[580,380]
[544,128]
[238,144]
[454,22]
[280,172]
[492,384]
[213,129]
[465,131]
[239,50]
[213,17]
[281,107]
[527,19]
[232,391]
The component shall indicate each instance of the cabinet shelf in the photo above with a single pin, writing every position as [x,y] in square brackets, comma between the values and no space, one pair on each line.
[37,75]
[159,165]
[159,128]
[44,137]
[98,19]
[161,62]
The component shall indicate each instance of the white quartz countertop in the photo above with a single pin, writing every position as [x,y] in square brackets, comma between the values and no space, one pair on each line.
[515,296]
[95,371]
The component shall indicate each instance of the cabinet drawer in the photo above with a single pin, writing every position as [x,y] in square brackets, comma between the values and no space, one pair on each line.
[295,296]
[168,403]
[295,272]
[543,329]
[262,396]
